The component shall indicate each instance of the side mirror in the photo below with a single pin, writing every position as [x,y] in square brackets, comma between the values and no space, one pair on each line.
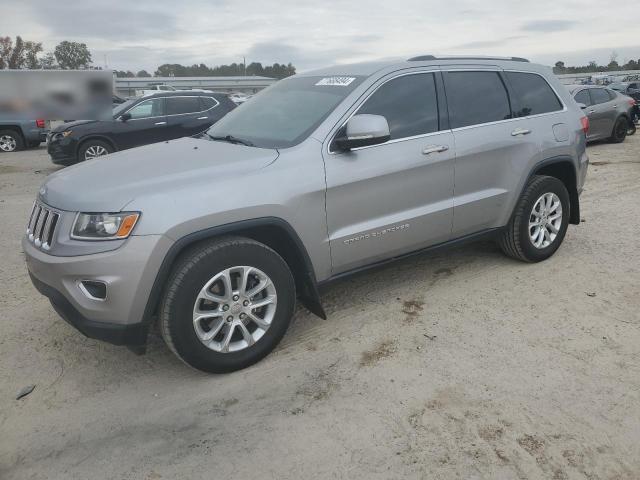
[125,116]
[362,131]
[582,106]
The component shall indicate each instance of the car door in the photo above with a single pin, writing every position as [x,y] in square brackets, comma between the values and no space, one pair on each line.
[602,113]
[493,149]
[146,124]
[186,116]
[388,199]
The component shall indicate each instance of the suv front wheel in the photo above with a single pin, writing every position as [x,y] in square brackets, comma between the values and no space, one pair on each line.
[227,304]
[539,222]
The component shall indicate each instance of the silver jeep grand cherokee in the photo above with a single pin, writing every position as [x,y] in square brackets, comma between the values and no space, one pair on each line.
[321,175]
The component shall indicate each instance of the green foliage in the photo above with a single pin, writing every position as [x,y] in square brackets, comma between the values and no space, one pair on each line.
[613,66]
[235,69]
[72,55]
[143,73]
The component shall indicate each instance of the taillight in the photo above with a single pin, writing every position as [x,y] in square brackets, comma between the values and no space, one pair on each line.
[40,123]
[585,124]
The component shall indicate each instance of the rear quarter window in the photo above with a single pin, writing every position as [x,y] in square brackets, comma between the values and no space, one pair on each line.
[533,95]
[475,98]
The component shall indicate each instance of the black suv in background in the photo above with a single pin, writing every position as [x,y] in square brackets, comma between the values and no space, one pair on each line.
[139,121]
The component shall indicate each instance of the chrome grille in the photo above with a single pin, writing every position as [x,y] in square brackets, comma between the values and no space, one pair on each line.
[42,226]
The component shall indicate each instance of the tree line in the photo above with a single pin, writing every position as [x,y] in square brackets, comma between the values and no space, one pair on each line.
[613,66]
[21,54]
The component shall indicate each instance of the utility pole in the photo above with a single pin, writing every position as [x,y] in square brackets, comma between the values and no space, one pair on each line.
[244,63]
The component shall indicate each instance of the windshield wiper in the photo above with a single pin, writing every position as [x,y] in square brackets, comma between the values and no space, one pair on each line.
[231,139]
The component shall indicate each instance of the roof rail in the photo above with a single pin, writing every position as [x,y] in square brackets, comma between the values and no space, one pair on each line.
[424,58]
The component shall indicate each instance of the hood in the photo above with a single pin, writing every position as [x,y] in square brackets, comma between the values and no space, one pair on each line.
[74,123]
[107,184]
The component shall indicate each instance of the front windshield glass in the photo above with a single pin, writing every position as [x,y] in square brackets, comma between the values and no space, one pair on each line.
[117,111]
[286,113]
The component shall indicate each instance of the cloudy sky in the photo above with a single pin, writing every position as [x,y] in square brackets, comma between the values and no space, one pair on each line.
[136,34]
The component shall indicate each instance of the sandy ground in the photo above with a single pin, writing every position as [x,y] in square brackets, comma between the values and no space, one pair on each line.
[461,364]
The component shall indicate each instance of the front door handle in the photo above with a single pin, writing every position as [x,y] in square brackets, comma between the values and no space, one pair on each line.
[161,123]
[202,118]
[435,149]
[520,131]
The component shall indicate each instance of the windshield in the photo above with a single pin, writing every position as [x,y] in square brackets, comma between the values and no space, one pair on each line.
[117,111]
[286,113]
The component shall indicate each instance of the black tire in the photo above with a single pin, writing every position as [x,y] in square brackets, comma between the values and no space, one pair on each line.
[191,272]
[620,129]
[516,241]
[85,146]
[16,138]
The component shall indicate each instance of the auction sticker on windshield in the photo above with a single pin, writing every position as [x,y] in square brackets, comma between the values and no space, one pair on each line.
[336,81]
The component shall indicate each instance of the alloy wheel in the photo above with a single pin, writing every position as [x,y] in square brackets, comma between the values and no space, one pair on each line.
[545,220]
[94,151]
[234,309]
[8,143]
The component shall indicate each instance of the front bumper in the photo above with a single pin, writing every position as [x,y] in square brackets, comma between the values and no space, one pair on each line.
[117,334]
[62,151]
[128,272]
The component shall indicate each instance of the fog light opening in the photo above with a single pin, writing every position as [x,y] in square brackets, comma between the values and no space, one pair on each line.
[93,289]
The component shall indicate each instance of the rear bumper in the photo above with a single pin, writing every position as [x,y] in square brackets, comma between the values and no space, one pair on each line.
[117,334]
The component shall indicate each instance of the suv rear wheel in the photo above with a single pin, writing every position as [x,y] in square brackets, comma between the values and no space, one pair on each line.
[10,141]
[227,304]
[539,222]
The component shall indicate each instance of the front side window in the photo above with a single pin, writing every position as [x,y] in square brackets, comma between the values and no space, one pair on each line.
[532,93]
[149,108]
[180,105]
[409,103]
[583,97]
[599,95]
[475,98]
[286,113]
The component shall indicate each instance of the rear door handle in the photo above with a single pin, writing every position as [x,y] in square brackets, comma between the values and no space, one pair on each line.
[202,118]
[435,149]
[520,131]
[161,123]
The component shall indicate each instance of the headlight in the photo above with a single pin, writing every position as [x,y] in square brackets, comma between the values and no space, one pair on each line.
[104,226]
[61,135]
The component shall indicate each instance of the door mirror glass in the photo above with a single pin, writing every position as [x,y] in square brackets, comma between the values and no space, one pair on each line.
[362,131]
[125,116]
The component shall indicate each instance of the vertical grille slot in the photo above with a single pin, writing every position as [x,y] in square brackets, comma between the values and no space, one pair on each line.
[42,225]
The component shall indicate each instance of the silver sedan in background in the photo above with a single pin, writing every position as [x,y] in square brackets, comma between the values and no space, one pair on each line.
[609,112]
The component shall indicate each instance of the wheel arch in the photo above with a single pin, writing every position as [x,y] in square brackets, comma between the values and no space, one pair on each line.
[564,170]
[14,128]
[102,138]
[274,232]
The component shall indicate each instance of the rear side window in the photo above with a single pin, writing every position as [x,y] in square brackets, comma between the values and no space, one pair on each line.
[475,98]
[178,105]
[409,103]
[599,95]
[532,93]
[612,94]
[583,97]
[208,102]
